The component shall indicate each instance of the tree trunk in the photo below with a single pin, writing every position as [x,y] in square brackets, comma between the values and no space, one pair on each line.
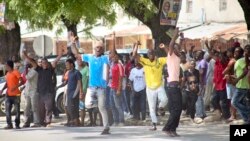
[71,26]
[159,35]
[10,41]
[245,4]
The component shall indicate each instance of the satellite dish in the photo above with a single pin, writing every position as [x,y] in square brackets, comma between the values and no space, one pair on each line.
[43,45]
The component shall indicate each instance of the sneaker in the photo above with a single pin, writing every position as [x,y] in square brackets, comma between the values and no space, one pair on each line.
[161,111]
[153,128]
[105,132]
[168,133]
[121,124]
[175,134]
[26,126]
[18,127]
[48,125]
[36,125]
[8,127]
[115,124]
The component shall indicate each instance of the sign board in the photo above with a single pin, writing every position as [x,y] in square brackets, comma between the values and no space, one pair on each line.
[2,11]
[170,12]
[43,45]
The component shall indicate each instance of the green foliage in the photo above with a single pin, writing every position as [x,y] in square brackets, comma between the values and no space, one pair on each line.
[47,13]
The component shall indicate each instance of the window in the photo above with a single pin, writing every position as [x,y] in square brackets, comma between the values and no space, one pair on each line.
[223,5]
[189,7]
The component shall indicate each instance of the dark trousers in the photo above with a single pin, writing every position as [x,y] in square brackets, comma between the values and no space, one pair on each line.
[220,102]
[129,98]
[175,107]
[139,100]
[55,109]
[73,108]
[191,100]
[9,102]
[46,108]
[184,100]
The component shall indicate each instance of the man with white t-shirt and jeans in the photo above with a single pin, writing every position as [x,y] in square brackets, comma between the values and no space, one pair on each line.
[139,91]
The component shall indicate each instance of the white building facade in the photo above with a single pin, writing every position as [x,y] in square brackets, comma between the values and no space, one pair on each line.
[205,11]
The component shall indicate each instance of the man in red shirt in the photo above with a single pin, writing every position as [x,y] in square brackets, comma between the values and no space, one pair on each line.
[220,101]
[116,87]
[13,82]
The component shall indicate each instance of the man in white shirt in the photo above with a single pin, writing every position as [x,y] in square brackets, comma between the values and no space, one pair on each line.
[139,91]
[31,97]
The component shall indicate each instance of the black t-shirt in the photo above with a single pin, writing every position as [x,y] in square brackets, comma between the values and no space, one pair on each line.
[45,80]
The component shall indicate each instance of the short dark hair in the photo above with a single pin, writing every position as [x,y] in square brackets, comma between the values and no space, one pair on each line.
[10,63]
[247,47]
[241,51]
[231,49]
[71,61]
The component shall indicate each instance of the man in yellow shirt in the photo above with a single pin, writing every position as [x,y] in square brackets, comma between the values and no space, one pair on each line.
[153,74]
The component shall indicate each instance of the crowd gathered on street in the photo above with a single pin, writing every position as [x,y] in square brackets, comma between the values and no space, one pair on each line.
[112,88]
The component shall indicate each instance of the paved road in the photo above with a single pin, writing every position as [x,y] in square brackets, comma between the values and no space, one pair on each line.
[208,132]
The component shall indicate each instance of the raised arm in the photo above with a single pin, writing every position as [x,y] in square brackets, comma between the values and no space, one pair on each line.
[182,38]
[54,63]
[112,51]
[172,42]
[135,49]
[162,46]
[30,60]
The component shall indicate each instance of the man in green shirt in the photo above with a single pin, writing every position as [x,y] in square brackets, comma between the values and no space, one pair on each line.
[242,85]
[84,70]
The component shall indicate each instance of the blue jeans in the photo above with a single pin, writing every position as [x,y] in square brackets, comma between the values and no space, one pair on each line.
[200,108]
[116,106]
[242,108]
[124,102]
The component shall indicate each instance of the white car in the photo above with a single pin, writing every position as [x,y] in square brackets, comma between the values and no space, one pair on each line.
[59,94]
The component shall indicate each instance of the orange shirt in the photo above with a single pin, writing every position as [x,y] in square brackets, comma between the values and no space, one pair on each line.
[12,80]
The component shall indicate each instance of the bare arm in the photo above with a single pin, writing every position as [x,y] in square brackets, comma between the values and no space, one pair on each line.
[79,83]
[172,42]
[135,55]
[32,62]
[163,47]
[112,51]
[228,68]
[54,63]
[108,72]
[202,71]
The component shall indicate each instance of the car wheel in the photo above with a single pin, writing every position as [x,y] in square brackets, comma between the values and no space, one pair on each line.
[60,104]
[3,109]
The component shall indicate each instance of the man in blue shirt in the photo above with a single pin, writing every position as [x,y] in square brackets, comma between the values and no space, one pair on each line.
[74,88]
[98,77]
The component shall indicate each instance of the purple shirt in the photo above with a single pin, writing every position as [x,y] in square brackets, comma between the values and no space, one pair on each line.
[203,65]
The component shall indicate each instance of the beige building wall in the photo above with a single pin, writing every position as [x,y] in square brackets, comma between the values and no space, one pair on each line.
[211,11]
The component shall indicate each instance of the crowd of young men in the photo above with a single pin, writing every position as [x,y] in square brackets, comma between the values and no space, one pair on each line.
[194,82]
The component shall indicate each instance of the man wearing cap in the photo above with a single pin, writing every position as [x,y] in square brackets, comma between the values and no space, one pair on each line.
[98,74]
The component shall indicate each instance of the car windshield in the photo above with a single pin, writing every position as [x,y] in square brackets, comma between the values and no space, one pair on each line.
[2,80]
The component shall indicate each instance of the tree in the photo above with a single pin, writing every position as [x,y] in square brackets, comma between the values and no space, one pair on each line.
[48,13]
[245,4]
[9,40]
[148,12]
